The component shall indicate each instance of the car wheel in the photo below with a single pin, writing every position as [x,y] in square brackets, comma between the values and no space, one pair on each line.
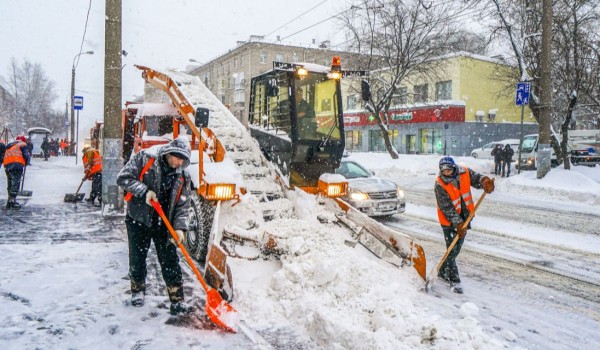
[474,155]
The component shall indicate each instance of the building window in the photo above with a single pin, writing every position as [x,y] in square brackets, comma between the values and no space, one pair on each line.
[294,57]
[263,57]
[420,94]
[242,61]
[376,142]
[235,63]
[223,99]
[401,96]
[354,140]
[443,90]
[278,57]
[351,102]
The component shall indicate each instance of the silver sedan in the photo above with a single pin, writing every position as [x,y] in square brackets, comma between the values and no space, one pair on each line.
[370,194]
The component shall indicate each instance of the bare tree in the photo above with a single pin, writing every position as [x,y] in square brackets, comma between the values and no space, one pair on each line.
[28,97]
[575,57]
[399,39]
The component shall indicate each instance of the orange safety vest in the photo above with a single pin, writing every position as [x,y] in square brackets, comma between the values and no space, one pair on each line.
[456,194]
[14,154]
[95,167]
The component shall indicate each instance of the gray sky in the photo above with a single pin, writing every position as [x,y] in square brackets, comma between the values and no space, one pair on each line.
[156,33]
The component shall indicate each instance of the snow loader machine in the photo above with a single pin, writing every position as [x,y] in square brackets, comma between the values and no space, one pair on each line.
[238,187]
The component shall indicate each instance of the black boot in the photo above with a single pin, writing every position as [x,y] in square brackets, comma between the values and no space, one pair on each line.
[12,203]
[178,307]
[138,291]
[90,199]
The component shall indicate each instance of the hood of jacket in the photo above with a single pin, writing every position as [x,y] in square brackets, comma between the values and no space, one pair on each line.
[179,147]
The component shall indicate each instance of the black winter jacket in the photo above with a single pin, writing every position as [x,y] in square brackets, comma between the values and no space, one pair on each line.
[177,196]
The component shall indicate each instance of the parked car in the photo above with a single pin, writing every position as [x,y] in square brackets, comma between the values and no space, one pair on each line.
[370,194]
[485,152]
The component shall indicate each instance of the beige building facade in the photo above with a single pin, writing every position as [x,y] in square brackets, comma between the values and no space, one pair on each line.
[228,76]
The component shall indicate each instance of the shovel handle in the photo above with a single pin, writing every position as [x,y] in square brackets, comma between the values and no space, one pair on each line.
[164,218]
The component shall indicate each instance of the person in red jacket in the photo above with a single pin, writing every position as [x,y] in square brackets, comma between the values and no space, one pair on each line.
[92,167]
[16,158]
[454,204]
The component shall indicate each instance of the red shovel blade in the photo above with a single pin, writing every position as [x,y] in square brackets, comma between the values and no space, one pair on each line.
[221,312]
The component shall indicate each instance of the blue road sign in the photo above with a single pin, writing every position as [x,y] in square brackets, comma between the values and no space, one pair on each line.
[523,89]
[77,103]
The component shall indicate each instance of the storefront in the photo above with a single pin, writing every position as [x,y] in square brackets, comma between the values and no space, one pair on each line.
[430,129]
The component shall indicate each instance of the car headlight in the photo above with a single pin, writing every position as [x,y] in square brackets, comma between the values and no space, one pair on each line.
[400,193]
[357,195]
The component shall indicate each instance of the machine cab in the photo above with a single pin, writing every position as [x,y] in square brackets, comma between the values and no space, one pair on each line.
[296,116]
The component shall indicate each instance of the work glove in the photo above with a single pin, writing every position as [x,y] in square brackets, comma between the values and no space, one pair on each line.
[487,184]
[180,237]
[461,230]
[150,195]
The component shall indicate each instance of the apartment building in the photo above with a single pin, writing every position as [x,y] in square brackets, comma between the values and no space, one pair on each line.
[228,75]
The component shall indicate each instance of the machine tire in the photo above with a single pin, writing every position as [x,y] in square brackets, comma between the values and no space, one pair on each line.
[200,222]
[474,155]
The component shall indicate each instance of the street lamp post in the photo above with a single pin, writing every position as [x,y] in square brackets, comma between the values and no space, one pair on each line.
[73,92]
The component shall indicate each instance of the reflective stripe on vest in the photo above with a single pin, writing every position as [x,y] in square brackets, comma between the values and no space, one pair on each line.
[96,163]
[128,195]
[456,195]
[14,154]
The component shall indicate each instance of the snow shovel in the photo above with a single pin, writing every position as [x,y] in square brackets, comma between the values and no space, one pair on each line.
[22,192]
[434,272]
[75,197]
[218,310]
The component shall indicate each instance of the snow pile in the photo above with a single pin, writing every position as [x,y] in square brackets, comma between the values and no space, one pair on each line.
[340,297]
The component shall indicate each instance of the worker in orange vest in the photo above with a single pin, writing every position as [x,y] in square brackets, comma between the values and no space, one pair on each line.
[16,158]
[454,204]
[92,167]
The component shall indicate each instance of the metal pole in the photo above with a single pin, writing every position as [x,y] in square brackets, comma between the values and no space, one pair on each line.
[521,142]
[77,139]
[72,95]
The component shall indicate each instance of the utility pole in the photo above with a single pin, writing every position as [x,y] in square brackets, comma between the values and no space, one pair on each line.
[112,160]
[544,152]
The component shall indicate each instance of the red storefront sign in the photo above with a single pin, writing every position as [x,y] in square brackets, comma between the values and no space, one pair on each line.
[429,114]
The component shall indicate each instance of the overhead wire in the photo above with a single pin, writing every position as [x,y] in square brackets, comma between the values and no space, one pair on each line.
[295,18]
[87,17]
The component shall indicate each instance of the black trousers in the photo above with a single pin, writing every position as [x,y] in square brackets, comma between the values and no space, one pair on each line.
[96,185]
[140,236]
[13,182]
[449,267]
[497,167]
[506,164]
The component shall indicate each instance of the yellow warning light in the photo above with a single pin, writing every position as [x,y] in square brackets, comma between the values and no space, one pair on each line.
[220,192]
[302,72]
[333,190]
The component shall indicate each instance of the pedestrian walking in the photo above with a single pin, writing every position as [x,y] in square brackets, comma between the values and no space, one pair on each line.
[454,204]
[45,148]
[92,167]
[157,175]
[16,158]
[507,154]
[497,154]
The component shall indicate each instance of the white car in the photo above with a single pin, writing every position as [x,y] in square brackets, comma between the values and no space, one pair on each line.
[370,194]
[485,152]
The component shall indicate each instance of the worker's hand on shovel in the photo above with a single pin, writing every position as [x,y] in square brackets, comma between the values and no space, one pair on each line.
[180,237]
[461,231]
[151,196]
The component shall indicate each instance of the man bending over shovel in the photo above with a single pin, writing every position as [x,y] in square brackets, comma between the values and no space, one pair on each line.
[454,204]
[92,167]
[157,174]
[16,158]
